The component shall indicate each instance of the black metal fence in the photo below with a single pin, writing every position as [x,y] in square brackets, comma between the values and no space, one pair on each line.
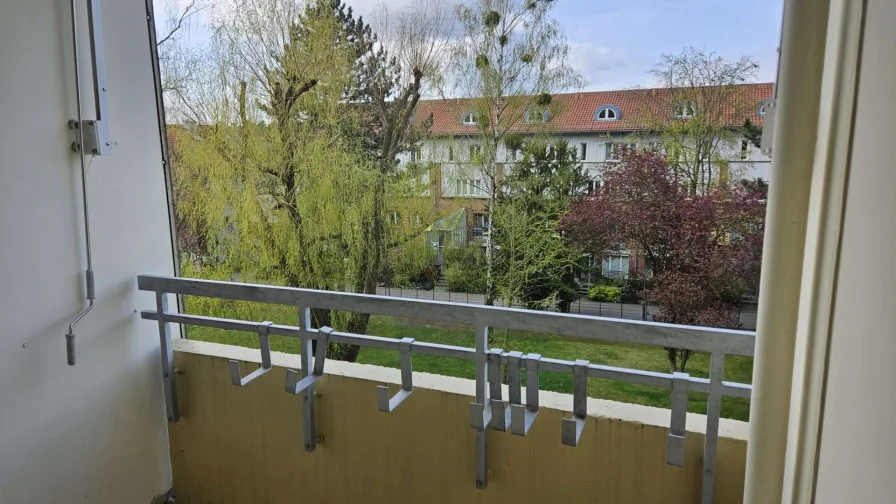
[582,306]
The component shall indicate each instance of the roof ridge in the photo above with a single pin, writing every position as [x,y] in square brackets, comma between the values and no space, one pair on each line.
[586,93]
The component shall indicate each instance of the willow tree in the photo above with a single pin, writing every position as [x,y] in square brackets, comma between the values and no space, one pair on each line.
[509,59]
[699,113]
[294,175]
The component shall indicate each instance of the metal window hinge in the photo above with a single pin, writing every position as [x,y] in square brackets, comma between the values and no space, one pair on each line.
[768,127]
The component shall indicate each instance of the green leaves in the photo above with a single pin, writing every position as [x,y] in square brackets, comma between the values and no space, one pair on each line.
[491,19]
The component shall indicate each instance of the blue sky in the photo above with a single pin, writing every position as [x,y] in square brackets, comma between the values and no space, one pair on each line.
[614,43]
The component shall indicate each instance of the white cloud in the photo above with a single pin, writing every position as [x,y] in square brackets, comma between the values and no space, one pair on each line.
[599,64]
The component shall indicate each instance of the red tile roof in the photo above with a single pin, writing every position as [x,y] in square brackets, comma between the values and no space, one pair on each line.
[641,109]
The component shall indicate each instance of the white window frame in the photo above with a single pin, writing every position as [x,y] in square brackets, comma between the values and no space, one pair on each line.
[607,114]
[544,116]
[470,119]
[678,111]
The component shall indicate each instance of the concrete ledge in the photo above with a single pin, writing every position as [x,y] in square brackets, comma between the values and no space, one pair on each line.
[598,408]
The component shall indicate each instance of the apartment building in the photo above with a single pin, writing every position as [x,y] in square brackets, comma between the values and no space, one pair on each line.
[596,124]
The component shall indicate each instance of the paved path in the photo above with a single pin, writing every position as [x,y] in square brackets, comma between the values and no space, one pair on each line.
[583,306]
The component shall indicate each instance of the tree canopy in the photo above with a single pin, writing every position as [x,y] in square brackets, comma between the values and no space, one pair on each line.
[703,252]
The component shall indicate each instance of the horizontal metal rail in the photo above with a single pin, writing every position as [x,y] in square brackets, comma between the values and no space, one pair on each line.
[488,410]
[584,327]
[635,376]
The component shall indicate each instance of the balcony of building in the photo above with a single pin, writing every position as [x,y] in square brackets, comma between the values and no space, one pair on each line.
[255,425]
[122,408]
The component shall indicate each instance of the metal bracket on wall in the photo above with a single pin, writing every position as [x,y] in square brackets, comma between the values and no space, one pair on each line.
[675,441]
[573,427]
[384,403]
[293,384]
[95,133]
[522,417]
[264,342]
[500,411]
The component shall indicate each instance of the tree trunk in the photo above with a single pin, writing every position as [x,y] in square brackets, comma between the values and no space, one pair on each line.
[672,354]
[685,355]
[490,246]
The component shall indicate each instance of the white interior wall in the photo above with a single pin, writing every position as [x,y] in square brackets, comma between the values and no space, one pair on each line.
[95,432]
[858,441]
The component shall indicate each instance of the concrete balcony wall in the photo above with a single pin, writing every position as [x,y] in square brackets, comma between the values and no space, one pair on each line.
[94,432]
[244,444]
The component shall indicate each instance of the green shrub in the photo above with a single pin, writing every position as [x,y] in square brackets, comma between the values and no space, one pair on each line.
[605,294]
[465,269]
[409,265]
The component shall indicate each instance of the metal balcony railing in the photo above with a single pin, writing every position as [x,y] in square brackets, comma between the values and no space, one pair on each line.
[489,410]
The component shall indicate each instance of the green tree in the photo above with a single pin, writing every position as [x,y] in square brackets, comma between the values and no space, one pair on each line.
[510,57]
[294,173]
[534,264]
[698,113]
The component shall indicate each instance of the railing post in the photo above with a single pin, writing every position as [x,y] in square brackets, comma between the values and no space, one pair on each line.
[310,430]
[480,411]
[713,412]
[167,352]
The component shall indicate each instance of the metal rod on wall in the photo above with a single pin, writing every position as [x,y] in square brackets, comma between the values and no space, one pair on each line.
[78,126]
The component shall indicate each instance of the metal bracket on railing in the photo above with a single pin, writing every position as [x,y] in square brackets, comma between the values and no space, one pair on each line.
[264,342]
[573,427]
[522,417]
[480,416]
[293,384]
[500,411]
[675,440]
[383,402]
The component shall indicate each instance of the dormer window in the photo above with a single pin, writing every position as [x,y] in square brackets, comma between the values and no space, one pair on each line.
[469,119]
[760,109]
[683,110]
[536,116]
[607,113]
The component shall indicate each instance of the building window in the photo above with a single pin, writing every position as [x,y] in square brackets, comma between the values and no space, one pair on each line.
[744,149]
[513,154]
[583,148]
[614,148]
[468,187]
[536,116]
[683,110]
[607,113]
[415,154]
[591,186]
[475,152]
[615,266]
[480,224]
[760,109]
[450,153]
[470,119]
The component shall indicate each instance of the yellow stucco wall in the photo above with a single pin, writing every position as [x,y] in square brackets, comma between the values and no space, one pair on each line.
[242,445]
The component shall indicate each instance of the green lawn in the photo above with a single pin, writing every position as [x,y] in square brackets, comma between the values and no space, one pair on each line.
[737,369]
